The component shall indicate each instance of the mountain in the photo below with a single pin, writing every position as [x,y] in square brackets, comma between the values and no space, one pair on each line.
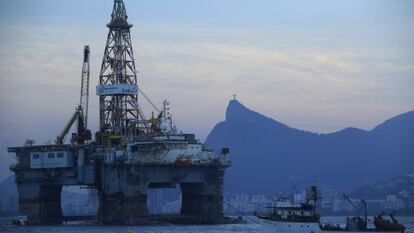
[269,156]
[399,186]
[8,193]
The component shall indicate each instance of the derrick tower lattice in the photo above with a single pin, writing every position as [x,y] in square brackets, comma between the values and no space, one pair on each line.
[118,89]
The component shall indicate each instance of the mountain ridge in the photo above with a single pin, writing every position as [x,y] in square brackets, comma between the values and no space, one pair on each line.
[233,103]
[264,150]
[396,186]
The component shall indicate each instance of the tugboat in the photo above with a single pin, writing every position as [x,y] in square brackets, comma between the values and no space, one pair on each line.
[286,218]
[387,225]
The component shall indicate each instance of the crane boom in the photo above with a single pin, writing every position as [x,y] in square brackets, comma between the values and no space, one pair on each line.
[358,210]
[81,112]
[84,94]
[61,138]
[351,202]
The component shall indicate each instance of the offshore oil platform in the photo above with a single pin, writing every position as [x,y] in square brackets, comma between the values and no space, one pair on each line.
[129,155]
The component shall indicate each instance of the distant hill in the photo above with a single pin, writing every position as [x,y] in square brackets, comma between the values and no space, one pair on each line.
[8,193]
[269,156]
[400,186]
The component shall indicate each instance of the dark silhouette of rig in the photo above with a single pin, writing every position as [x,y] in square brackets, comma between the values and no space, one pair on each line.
[129,154]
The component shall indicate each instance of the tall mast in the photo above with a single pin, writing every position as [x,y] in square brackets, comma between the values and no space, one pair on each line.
[80,115]
[84,95]
[118,88]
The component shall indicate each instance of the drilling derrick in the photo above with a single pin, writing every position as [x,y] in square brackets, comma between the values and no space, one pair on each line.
[118,89]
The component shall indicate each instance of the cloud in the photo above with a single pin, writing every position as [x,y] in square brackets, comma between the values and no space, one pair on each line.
[42,66]
[313,72]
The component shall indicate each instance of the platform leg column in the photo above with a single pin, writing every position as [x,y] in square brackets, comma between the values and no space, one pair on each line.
[40,203]
[204,201]
[119,209]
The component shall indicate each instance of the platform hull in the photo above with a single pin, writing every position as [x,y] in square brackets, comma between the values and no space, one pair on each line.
[122,190]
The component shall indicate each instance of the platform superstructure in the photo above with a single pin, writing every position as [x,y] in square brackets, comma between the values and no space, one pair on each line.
[129,154]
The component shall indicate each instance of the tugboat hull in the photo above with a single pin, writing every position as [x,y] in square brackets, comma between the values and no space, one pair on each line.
[270,226]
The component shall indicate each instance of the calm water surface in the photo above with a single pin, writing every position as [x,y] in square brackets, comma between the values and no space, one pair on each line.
[249,227]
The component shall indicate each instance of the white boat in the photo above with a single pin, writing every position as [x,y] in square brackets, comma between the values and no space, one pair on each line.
[305,219]
[20,220]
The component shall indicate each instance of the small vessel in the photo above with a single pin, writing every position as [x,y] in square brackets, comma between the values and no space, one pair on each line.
[388,225]
[20,221]
[286,218]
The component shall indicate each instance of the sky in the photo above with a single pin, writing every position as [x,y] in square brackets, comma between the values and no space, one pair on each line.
[315,65]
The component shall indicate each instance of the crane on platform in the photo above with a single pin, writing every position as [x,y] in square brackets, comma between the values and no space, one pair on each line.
[358,210]
[81,111]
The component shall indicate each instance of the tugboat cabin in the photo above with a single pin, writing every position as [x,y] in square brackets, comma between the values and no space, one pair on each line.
[303,213]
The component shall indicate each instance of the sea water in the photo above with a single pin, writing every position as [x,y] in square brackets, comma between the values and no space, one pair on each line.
[250,227]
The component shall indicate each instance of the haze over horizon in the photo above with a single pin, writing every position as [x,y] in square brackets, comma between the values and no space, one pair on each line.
[319,66]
